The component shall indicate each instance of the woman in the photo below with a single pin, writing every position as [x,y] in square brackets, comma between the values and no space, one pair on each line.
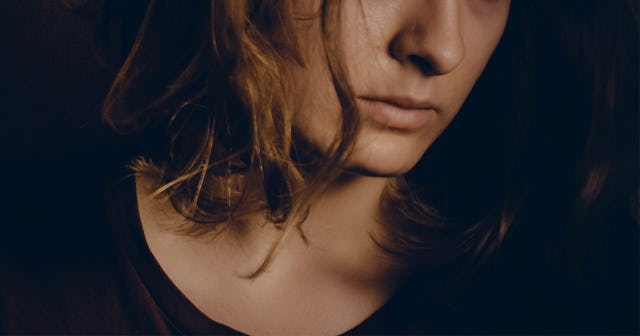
[295,176]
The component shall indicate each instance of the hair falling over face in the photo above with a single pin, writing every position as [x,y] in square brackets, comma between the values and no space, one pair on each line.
[222,109]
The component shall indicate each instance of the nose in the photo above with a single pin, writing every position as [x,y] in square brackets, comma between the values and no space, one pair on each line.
[430,38]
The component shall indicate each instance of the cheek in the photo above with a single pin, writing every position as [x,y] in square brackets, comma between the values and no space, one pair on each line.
[316,109]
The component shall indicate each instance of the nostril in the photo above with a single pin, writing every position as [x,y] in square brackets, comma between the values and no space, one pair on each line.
[421,63]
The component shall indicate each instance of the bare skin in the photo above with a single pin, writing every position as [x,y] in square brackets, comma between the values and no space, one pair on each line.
[326,287]
[421,55]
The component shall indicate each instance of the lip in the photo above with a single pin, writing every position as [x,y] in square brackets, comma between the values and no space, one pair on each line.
[397,113]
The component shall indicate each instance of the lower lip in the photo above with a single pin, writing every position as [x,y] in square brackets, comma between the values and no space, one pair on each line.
[393,116]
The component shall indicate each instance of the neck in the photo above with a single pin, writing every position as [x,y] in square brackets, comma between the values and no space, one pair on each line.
[336,279]
[340,225]
[338,229]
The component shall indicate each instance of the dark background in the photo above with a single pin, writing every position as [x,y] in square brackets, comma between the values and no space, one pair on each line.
[52,83]
[56,153]
[54,148]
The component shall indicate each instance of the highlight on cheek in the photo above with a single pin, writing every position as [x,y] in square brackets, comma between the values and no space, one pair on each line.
[321,167]
[310,92]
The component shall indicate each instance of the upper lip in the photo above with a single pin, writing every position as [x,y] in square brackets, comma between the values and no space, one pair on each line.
[404,102]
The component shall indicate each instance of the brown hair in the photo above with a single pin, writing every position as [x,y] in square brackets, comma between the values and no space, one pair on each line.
[224,99]
[207,82]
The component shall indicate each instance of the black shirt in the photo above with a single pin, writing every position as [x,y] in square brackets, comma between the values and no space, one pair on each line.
[73,260]
[94,273]
[72,256]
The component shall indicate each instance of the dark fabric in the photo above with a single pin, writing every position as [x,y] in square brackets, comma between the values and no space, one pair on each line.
[94,281]
[64,268]
[73,262]
[103,279]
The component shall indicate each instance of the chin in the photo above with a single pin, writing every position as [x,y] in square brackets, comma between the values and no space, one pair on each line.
[378,169]
[385,158]
[377,152]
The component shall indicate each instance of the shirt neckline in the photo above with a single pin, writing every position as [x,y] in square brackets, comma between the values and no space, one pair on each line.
[178,310]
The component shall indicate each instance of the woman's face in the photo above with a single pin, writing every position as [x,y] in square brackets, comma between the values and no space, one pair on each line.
[411,64]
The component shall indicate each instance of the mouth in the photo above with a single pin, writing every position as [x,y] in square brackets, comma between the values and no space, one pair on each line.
[396,113]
